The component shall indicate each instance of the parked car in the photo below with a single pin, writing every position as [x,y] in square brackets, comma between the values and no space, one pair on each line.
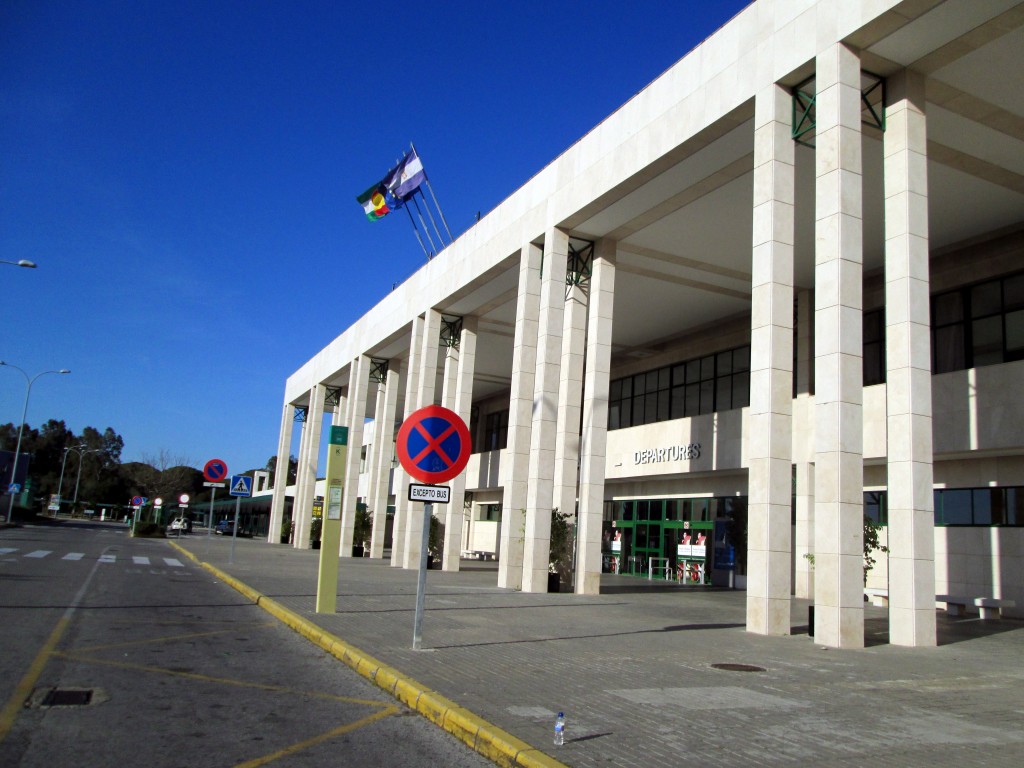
[225,527]
[181,525]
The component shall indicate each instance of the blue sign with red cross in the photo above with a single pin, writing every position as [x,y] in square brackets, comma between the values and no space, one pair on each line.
[433,444]
[215,470]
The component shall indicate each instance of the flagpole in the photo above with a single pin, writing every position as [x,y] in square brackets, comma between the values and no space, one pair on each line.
[425,230]
[436,204]
[416,230]
[440,237]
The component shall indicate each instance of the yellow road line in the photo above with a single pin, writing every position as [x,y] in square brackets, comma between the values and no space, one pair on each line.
[28,682]
[334,732]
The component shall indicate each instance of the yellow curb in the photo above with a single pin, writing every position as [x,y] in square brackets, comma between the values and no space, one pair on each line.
[482,736]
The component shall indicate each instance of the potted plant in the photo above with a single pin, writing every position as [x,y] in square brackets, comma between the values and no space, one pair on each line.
[315,529]
[560,553]
[362,530]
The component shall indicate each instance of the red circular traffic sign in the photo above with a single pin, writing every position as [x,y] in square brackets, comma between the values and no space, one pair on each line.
[433,444]
[215,470]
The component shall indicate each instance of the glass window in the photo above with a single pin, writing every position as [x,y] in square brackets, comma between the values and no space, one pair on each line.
[948,352]
[948,308]
[986,299]
[1015,335]
[987,341]
[707,396]
[724,363]
[639,384]
[723,394]
[741,390]
[874,507]
[741,359]
[955,506]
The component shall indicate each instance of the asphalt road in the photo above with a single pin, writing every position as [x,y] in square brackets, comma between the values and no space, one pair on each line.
[119,652]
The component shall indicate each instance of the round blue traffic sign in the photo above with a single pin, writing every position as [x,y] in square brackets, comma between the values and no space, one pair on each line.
[215,470]
[433,444]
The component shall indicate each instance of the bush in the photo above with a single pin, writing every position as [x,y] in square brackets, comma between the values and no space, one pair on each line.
[148,531]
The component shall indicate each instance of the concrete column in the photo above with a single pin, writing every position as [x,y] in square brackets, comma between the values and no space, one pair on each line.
[594,440]
[384,436]
[570,401]
[770,418]
[358,382]
[460,402]
[540,485]
[804,544]
[284,452]
[302,515]
[908,366]
[838,354]
[401,479]
[424,397]
[515,466]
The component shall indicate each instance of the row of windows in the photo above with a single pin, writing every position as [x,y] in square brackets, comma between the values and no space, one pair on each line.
[961,506]
[718,382]
[975,325]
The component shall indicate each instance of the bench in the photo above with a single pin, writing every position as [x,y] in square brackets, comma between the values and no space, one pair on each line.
[477,554]
[878,596]
[988,607]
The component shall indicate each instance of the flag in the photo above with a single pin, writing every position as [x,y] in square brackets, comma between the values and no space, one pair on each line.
[378,201]
[406,177]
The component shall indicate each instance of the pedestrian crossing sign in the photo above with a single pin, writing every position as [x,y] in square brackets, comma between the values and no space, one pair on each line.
[241,485]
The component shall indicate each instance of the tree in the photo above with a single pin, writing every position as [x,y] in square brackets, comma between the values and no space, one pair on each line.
[293,469]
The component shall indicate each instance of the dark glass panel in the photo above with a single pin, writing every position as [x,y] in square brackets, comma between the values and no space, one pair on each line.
[986,299]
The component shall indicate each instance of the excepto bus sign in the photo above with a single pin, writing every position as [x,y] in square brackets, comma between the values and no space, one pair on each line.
[431,494]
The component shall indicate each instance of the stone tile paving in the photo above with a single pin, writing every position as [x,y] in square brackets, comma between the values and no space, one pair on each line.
[632,669]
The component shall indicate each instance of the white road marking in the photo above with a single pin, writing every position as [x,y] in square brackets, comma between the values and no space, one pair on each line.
[174,562]
[73,556]
[108,558]
[140,560]
[39,553]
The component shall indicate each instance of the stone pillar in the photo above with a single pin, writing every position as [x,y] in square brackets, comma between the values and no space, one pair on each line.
[540,486]
[908,366]
[515,465]
[460,401]
[424,397]
[284,453]
[384,435]
[570,398]
[770,417]
[358,380]
[804,544]
[401,479]
[838,354]
[302,514]
[594,441]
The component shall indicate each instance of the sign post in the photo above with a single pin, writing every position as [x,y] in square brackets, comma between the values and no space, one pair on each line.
[433,446]
[241,485]
[330,533]
[215,470]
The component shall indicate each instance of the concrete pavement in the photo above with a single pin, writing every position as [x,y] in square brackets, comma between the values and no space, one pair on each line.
[639,670]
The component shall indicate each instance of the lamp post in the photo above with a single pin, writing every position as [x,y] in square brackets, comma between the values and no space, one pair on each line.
[82,450]
[24,413]
[20,263]
[60,484]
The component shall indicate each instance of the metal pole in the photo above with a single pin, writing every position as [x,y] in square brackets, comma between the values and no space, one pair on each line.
[430,215]
[421,581]
[414,229]
[60,485]
[426,179]
[209,524]
[74,501]
[234,529]
[426,230]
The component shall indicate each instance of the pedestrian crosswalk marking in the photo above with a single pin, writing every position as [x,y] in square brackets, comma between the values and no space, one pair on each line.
[141,560]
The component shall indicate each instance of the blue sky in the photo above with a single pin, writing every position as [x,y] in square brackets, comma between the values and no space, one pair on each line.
[185,173]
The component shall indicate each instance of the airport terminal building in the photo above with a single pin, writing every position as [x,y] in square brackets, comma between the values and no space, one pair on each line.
[780,289]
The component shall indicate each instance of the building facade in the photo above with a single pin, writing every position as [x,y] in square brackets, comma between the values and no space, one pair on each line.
[780,289]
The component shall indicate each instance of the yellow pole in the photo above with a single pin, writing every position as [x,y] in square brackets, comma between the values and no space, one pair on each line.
[330,536]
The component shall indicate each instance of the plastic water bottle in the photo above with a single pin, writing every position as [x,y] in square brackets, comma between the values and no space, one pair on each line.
[560,729]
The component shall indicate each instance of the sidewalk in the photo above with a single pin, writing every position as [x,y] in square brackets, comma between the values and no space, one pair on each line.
[633,669]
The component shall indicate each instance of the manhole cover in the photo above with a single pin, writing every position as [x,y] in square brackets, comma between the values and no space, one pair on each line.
[738,667]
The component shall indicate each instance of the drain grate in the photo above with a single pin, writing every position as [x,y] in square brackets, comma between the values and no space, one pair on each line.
[63,697]
[738,667]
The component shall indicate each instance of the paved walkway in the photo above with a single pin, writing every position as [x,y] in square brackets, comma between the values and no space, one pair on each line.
[634,669]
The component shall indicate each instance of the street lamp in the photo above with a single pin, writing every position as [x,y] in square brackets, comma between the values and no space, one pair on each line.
[20,263]
[60,484]
[82,450]
[28,391]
